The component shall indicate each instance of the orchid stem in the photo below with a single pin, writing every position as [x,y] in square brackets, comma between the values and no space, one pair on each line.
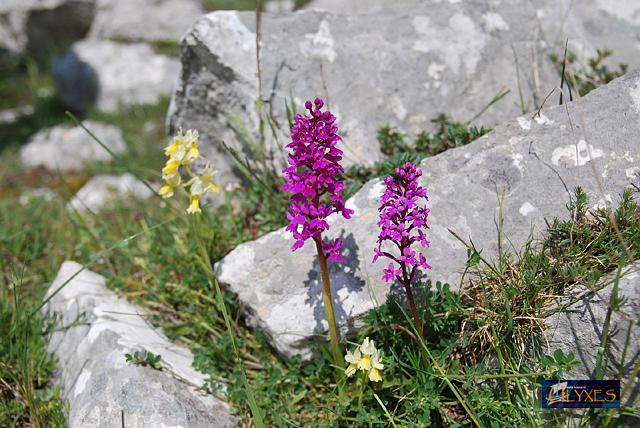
[414,309]
[328,303]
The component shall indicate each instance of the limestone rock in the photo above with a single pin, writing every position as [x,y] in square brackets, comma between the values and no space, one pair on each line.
[534,161]
[579,329]
[400,66]
[113,75]
[102,189]
[68,149]
[38,26]
[144,19]
[97,328]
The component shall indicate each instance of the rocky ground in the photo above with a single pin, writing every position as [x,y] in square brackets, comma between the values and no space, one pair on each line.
[118,308]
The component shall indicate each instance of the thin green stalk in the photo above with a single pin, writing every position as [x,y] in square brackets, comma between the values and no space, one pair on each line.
[206,263]
[412,304]
[445,377]
[384,409]
[453,389]
[625,350]
[328,303]
[94,259]
[262,145]
[500,360]
[607,325]
[111,152]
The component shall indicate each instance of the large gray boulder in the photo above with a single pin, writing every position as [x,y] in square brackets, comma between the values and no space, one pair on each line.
[114,75]
[578,328]
[155,20]
[68,149]
[95,331]
[396,67]
[534,162]
[41,26]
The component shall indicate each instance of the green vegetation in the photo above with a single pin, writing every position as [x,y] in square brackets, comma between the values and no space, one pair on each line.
[580,251]
[448,134]
[161,271]
[167,47]
[582,78]
[24,366]
[144,358]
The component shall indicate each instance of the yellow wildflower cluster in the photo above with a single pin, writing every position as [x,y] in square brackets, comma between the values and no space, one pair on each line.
[365,358]
[182,153]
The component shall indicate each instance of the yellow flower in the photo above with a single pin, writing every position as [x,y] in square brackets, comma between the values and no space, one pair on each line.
[368,346]
[173,149]
[365,358]
[182,152]
[166,191]
[184,147]
[353,358]
[193,153]
[207,178]
[171,168]
[197,187]
[376,366]
[195,205]
[365,362]
[173,180]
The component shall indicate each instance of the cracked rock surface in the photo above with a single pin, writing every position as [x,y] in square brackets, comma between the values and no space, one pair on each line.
[401,66]
[535,162]
[95,330]
[579,329]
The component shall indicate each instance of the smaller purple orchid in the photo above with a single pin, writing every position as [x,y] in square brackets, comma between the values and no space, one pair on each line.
[403,222]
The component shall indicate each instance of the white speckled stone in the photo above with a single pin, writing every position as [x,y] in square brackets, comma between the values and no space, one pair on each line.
[96,329]
[102,189]
[67,149]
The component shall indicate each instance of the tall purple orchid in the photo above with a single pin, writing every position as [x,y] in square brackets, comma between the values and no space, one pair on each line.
[403,222]
[314,179]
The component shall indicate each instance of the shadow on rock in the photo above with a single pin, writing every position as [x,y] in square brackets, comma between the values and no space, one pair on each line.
[343,279]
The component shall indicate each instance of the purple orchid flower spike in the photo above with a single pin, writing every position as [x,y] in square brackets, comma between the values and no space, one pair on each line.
[314,177]
[403,223]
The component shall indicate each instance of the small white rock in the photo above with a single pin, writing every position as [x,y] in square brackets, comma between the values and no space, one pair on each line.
[104,188]
[67,149]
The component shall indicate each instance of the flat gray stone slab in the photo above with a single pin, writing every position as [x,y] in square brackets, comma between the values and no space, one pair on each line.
[96,330]
[68,149]
[400,66]
[579,329]
[535,162]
